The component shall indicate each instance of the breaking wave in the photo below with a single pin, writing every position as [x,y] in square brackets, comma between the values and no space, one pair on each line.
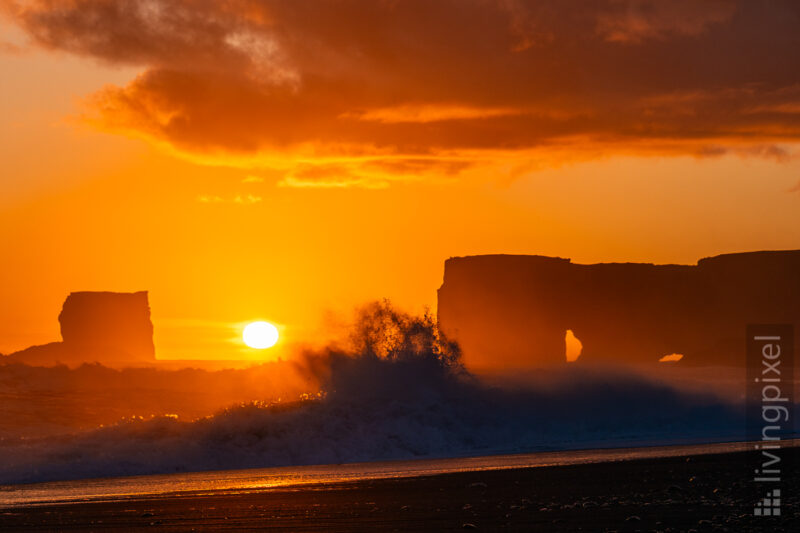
[396,391]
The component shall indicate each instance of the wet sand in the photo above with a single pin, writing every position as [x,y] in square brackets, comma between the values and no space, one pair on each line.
[701,493]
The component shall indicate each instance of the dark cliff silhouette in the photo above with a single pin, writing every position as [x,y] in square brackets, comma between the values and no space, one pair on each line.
[515,310]
[107,327]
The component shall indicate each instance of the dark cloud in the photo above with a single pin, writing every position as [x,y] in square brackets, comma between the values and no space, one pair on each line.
[633,21]
[437,80]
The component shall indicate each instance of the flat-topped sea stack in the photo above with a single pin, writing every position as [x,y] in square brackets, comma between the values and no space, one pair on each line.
[112,328]
[515,310]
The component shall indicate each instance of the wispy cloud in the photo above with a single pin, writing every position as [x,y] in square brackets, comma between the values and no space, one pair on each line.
[209,199]
[424,114]
[238,199]
[247,199]
[11,48]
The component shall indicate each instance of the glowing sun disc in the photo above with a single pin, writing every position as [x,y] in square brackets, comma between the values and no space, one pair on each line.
[260,335]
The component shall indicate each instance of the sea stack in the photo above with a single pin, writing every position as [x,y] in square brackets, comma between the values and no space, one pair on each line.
[111,328]
[515,310]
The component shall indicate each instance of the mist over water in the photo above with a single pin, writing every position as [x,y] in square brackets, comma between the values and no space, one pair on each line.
[394,390]
[45,401]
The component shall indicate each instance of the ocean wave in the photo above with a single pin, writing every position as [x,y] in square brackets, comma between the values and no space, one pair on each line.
[381,410]
[397,392]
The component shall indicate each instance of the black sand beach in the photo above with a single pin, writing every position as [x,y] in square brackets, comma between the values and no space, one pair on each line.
[700,493]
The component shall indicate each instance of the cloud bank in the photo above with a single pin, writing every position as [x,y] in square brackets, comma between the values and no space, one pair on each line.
[349,92]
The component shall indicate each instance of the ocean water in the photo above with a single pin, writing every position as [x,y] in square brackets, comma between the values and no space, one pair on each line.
[378,410]
[246,480]
[399,393]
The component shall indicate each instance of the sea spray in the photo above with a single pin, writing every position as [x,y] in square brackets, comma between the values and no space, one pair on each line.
[394,390]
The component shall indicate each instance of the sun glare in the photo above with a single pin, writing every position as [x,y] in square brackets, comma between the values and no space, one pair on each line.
[260,335]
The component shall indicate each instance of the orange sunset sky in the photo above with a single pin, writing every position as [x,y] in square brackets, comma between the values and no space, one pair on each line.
[285,160]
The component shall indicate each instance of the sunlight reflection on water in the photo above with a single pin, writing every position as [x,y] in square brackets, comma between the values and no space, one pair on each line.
[259,479]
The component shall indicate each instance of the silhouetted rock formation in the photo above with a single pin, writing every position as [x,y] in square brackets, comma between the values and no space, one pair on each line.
[515,310]
[107,327]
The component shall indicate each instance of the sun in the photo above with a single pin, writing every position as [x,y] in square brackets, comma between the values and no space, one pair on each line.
[260,335]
